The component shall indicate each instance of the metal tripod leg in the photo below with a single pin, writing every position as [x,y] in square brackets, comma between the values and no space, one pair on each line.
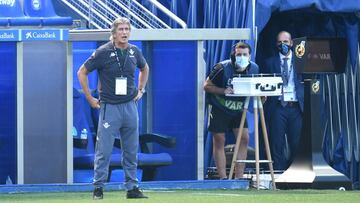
[256,129]
[238,139]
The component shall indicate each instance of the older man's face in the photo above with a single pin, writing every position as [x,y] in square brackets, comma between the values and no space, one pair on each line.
[122,34]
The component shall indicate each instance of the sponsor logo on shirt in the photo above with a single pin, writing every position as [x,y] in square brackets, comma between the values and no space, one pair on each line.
[106,125]
[131,52]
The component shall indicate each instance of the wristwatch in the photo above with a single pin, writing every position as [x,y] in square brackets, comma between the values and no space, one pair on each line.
[142,90]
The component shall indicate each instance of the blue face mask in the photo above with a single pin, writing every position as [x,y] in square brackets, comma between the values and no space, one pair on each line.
[284,48]
[242,62]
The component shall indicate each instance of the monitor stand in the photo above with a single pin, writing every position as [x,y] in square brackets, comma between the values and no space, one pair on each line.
[309,168]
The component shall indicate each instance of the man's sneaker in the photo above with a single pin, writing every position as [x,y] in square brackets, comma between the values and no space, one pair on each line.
[98,193]
[135,193]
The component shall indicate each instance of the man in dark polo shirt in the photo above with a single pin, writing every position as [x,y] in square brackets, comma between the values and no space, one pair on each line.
[115,63]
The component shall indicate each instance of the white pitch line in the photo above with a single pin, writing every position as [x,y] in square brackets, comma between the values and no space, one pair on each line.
[218,194]
[197,193]
[164,191]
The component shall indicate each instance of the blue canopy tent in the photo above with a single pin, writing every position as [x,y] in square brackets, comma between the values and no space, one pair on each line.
[324,19]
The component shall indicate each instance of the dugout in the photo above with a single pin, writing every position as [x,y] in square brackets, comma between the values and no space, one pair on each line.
[35,105]
[38,94]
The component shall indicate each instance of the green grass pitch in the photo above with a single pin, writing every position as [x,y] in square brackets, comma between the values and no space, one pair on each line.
[195,196]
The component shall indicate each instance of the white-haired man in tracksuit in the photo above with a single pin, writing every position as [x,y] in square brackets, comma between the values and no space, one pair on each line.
[115,63]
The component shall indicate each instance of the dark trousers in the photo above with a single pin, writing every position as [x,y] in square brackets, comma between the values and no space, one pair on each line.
[284,121]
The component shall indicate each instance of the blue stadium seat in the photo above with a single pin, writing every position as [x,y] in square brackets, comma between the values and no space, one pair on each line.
[147,161]
[117,175]
[44,9]
[81,52]
[83,149]
[12,12]
[86,117]
[83,176]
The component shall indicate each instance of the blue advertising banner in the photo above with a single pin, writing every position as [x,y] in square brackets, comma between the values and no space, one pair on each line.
[34,35]
[9,35]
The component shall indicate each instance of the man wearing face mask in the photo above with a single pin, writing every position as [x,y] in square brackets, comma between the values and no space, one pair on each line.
[284,112]
[226,111]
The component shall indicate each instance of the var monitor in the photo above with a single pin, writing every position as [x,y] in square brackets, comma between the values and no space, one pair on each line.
[320,55]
